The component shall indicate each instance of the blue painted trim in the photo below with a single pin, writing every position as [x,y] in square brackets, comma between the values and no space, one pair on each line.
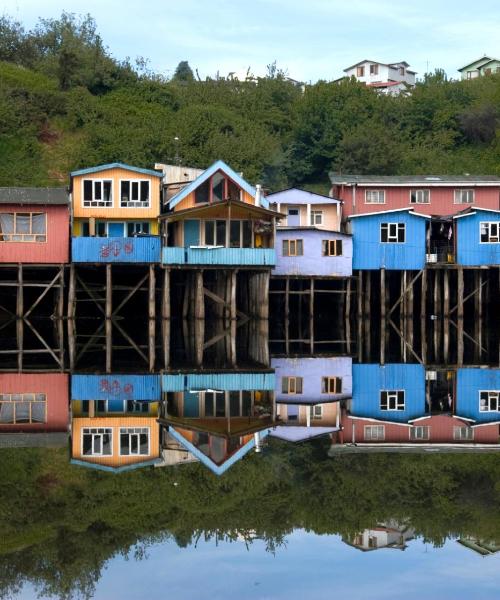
[115,165]
[115,470]
[205,460]
[217,166]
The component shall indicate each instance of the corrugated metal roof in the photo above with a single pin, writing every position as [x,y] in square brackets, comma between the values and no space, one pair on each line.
[298,196]
[115,387]
[33,195]
[116,165]
[218,381]
[427,180]
[310,228]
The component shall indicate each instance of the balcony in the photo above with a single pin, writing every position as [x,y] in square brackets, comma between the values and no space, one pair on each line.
[209,255]
[115,249]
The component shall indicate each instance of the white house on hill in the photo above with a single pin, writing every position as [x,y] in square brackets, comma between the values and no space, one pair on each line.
[390,78]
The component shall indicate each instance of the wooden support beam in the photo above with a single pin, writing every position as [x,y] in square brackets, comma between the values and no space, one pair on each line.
[403,292]
[382,297]
[165,298]
[460,317]
[199,298]
[135,289]
[43,294]
[423,296]
[108,315]
[152,317]
[311,316]
[20,292]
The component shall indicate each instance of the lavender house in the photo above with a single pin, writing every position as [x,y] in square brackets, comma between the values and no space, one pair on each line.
[309,241]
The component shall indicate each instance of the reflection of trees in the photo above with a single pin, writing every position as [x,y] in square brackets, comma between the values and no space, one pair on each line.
[61,524]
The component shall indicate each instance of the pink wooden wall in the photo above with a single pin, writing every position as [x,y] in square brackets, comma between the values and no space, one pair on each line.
[54,385]
[54,250]
[441,199]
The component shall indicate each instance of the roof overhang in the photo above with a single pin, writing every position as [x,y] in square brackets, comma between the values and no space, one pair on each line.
[116,165]
[207,209]
[396,210]
[474,211]
[225,427]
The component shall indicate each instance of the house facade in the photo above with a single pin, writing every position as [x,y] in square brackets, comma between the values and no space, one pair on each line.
[115,214]
[477,237]
[34,225]
[487,65]
[390,78]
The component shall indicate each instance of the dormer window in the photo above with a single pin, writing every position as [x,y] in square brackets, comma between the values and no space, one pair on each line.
[217,189]
[134,193]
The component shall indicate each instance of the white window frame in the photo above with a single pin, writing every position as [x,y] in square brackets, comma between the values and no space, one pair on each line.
[419,432]
[391,236]
[25,235]
[392,397]
[93,201]
[380,194]
[23,398]
[422,196]
[135,203]
[457,196]
[487,226]
[107,430]
[131,431]
[460,430]
[493,395]
[314,217]
[374,433]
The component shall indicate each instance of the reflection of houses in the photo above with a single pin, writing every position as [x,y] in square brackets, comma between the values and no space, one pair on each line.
[385,535]
[217,417]
[115,214]
[405,406]
[482,547]
[34,409]
[308,391]
[115,421]
[309,241]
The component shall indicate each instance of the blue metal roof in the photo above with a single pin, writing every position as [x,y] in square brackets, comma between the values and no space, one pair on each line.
[116,165]
[108,469]
[219,165]
[218,381]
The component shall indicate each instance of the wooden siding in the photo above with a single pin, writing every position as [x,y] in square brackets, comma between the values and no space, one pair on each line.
[115,423]
[53,385]
[470,251]
[219,256]
[116,211]
[189,202]
[54,250]
[331,215]
[115,250]
[442,199]
[328,417]
[469,383]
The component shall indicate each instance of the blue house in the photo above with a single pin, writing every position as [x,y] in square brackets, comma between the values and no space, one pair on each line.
[478,237]
[393,239]
[391,392]
[478,395]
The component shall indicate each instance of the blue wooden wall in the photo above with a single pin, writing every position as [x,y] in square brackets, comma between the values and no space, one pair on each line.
[470,252]
[369,380]
[218,381]
[115,387]
[370,253]
[469,383]
[115,250]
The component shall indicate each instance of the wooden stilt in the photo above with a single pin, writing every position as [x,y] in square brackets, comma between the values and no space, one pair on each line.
[199,296]
[311,316]
[152,318]
[382,296]
[108,314]
[367,313]
[460,317]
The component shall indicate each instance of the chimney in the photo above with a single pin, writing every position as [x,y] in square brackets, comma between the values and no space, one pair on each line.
[258,194]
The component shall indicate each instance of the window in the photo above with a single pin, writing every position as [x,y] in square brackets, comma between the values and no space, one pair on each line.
[100,406]
[374,197]
[97,441]
[374,432]
[97,193]
[487,71]
[215,233]
[240,234]
[316,411]
[291,385]
[202,193]
[332,247]
[489,232]
[420,432]
[23,408]
[464,196]
[401,70]
[240,403]
[214,403]
[293,248]
[420,196]
[392,233]
[360,71]
[137,229]
[218,182]
[134,193]
[331,385]
[469,74]
[23,227]
[373,69]
[463,433]
[100,229]
[316,217]
[392,400]
[134,441]
[489,401]
[133,406]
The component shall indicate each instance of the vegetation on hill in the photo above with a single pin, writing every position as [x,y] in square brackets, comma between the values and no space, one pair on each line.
[65,103]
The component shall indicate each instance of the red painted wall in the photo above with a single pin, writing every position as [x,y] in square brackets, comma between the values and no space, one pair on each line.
[54,385]
[54,250]
[441,199]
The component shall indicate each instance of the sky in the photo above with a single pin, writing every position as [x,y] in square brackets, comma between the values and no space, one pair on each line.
[309,566]
[310,39]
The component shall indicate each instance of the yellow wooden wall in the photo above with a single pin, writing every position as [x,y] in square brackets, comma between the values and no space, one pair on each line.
[153,409]
[188,201]
[154,226]
[115,423]
[115,212]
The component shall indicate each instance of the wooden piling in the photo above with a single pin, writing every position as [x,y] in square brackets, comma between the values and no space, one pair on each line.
[108,314]
[460,317]
[152,318]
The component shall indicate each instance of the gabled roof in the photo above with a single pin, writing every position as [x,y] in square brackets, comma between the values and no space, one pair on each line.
[482,61]
[394,210]
[207,209]
[32,195]
[412,180]
[311,228]
[376,62]
[300,433]
[217,166]
[116,165]
[299,196]
[469,211]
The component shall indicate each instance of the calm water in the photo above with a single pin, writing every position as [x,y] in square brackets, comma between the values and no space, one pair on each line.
[355,491]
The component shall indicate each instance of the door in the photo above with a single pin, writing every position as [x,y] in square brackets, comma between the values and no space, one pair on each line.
[191,233]
[293,218]
[116,229]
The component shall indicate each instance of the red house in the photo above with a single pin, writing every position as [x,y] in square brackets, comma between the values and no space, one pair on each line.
[439,196]
[34,225]
[34,403]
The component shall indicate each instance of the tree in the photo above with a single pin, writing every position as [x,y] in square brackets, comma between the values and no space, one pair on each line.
[183,72]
